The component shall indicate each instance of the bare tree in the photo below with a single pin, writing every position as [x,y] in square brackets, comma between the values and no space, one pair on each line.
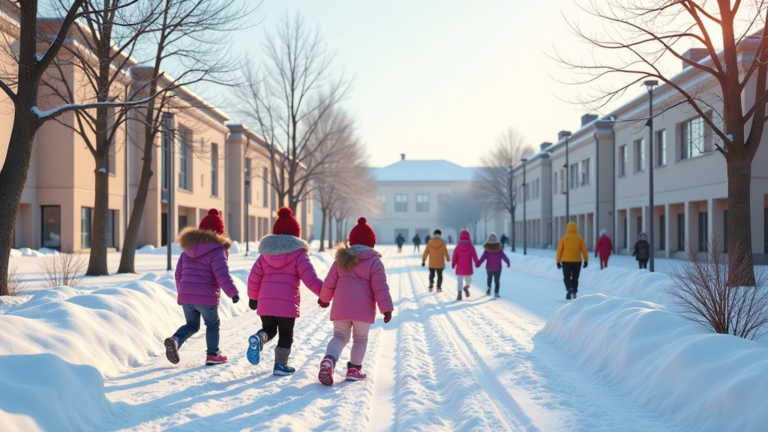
[643,32]
[464,208]
[288,99]
[498,189]
[194,36]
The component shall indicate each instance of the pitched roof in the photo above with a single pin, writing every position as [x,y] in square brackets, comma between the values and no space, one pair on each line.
[423,171]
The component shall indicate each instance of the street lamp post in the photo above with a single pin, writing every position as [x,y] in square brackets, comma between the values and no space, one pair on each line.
[525,218]
[511,213]
[247,193]
[567,135]
[649,85]
[169,184]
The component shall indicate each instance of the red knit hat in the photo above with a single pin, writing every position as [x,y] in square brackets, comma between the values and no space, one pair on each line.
[362,234]
[212,222]
[286,223]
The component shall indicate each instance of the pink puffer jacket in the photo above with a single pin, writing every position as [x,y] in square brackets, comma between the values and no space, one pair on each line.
[464,255]
[356,283]
[275,277]
[203,268]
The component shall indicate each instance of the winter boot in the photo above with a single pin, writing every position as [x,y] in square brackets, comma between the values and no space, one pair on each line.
[466,291]
[172,349]
[211,360]
[355,372]
[497,295]
[459,296]
[488,292]
[439,289]
[573,295]
[326,370]
[430,287]
[281,362]
[255,345]
[568,296]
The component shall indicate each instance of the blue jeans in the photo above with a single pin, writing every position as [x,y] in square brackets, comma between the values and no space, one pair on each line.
[210,315]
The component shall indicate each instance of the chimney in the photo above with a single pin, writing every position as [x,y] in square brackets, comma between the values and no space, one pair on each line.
[587,119]
[402,156]
[545,145]
[694,55]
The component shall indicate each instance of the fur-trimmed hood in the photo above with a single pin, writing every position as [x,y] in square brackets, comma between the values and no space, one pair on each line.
[346,258]
[278,244]
[492,247]
[197,242]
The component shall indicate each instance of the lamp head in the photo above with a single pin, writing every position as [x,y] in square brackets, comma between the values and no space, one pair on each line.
[650,84]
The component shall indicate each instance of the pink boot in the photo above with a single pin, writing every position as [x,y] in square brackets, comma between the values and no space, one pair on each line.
[215,359]
[355,372]
[326,370]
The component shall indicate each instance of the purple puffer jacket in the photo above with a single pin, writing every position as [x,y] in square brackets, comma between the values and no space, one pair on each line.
[275,277]
[356,283]
[203,268]
[494,254]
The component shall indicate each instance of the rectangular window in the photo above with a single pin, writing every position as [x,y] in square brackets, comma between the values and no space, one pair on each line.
[214,170]
[383,201]
[562,180]
[692,138]
[661,148]
[640,155]
[703,231]
[585,172]
[574,176]
[86,214]
[662,232]
[681,232]
[554,183]
[111,221]
[401,202]
[265,192]
[422,203]
[639,225]
[51,229]
[626,230]
[249,192]
[622,161]
[183,160]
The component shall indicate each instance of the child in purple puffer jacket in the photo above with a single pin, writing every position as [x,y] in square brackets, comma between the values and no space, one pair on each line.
[494,254]
[201,272]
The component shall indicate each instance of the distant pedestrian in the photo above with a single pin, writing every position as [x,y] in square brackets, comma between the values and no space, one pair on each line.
[416,243]
[426,239]
[604,249]
[400,240]
[438,255]
[494,255]
[570,252]
[642,251]
[464,255]
[450,239]
[504,241]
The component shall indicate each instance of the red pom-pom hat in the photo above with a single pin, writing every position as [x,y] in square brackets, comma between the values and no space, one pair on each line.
[286,223]
[212,222]
[362,234]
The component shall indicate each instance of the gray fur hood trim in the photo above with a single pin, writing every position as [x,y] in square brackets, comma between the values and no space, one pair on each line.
[278,244]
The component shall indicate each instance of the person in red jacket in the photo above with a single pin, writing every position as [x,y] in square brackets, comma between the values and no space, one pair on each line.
[604,249]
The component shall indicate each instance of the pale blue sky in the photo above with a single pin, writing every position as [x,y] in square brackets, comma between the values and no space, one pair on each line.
[441,79]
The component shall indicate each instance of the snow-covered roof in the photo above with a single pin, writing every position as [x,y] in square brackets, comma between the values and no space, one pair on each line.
[423,171]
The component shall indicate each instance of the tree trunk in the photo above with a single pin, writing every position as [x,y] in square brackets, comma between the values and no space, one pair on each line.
[97,263]
[322,231]
[739,212]
[330,231]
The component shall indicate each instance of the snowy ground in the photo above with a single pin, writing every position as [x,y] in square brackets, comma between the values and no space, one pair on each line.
[614,361]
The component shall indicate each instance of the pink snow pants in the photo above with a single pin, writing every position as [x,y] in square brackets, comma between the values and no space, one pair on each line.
[341,333]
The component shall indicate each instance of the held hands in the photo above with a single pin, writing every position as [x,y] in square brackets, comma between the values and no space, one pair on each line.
[235,299]
[253,304]
[322,304]
[559,266]
[585,264]
[387,317]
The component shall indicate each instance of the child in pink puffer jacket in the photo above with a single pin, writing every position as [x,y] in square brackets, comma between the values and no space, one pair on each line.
[273,288]
[356,283]
[464,255]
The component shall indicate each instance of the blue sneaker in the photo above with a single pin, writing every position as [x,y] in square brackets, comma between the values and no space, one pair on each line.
[281,370]
[254,349]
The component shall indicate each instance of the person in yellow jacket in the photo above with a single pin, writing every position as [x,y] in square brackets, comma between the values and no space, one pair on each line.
[438,255]
[569,254]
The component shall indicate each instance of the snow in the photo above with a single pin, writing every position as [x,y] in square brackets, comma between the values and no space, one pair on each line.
[162,250]
[618,358]
[423,171]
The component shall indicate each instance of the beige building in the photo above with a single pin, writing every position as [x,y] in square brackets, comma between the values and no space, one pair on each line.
[534,205]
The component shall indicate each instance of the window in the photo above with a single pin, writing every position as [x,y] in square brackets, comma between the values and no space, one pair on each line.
[383,201]
[661,148]
[401,202]
[86,215]
[622,161]
[51,229]
[214,170]
[681,232]
[574,176]
[111,221]
[562,180]
[183,160]
[626,240]
[265,192]
[585,172]
[692,138]
[640,155]
[703,231]
[662,232]
[639,225]
[248,192]
[554,183]
[422,203]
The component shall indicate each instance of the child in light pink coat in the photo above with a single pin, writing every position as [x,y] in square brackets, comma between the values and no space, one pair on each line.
[356,283]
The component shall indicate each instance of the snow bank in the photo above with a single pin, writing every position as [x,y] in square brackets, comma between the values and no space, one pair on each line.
[162,250]
[680,370]
[43,392]
[15,253]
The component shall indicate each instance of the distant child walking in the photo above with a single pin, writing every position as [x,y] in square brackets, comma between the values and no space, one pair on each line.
[604,249]
[494,255]
[356,283]
[569,254]
[400,240]
[464,255]
[642,252]
[438,255]
[202,271]
[273,288]
[416,243]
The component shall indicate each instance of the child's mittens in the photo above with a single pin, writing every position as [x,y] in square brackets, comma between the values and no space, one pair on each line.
[323,304]
[387,317]
[508,266]
[422,264]
[236,298]
[253,304]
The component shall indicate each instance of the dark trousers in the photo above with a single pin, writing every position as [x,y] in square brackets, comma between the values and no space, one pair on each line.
[604,261]
[643,264]
[439,273]
[571,272]
[494,274]
[192,314]
[272,325]
[416,247]
[399,248]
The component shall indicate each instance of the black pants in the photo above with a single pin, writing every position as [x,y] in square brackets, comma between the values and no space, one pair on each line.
[399,248]
[643,264]
[271,324]
[494,274]
[416,247]
[571,272]
[439,277]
